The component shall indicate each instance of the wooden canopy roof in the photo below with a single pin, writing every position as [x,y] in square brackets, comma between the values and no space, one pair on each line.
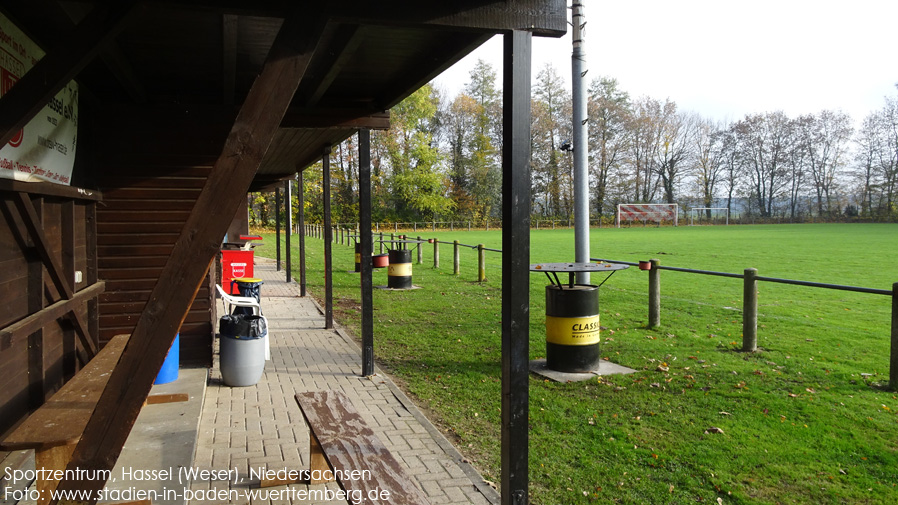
[205,54]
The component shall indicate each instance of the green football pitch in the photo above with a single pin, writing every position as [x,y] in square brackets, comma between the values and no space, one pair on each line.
[806,419]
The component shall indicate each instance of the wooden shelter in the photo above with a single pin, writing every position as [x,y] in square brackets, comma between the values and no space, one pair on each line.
[184,107]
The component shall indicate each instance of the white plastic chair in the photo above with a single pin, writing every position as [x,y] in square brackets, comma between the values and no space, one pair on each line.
[230,301]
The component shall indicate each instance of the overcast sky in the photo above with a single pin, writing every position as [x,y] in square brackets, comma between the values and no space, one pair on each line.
[728,59]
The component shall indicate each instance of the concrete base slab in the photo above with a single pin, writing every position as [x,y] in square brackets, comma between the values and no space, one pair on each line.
[388,288]
[163,440]
[538,366]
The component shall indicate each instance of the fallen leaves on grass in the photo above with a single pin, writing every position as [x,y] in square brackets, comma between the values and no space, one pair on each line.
[714,430]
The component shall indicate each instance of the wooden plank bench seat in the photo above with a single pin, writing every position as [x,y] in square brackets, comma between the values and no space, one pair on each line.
[55,428]
[342,442]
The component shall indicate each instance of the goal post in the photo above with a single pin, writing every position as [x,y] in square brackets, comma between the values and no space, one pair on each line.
[655,212]
[694,211]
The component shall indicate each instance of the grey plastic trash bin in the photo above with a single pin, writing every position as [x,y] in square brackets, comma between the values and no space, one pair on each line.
[242,349]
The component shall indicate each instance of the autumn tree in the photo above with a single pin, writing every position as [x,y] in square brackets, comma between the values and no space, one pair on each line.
[418,187]
[674,135]
[484,144]
[764,142]
[824,138]
[709,160]
[552,168]
[608,110]
[643,126]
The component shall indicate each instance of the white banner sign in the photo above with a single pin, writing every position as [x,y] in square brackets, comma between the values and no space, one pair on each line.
[44,150]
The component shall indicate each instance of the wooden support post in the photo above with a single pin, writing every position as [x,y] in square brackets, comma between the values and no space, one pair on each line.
[193,253]
[367,317]
[288,231]
[69,347]
[750,310]
[51,459]
[328,241]
[481,264]
[436,253]
[277,228]
[515,267]
[456,258]
[420,252]
[654,294]
[301,217]
[37,387]
[893,358]
[92,274]
[318,465]
[381,240]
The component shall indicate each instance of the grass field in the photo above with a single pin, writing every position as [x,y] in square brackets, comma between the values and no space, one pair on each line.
[797,422]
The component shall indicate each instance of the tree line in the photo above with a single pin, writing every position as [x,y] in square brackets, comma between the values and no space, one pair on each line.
[441,159]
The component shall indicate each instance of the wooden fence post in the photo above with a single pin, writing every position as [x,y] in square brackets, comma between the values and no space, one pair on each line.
[481,264]
[456,258]
[436,253]
[654,294]
[893,359]
[420,252]
[750,311]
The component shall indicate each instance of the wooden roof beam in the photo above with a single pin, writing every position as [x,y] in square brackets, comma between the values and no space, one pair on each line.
[539,17]
[193,253]
[113,57]
[349,40]
[336,118]
[447,54]
[229,58]
[59,66]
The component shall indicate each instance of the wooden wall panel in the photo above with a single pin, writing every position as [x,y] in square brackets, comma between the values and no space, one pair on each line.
[33,367]
[149,188]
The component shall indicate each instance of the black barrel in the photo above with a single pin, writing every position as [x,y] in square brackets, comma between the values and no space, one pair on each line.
[572,328]
[358,257]
[399,273]
[250,287]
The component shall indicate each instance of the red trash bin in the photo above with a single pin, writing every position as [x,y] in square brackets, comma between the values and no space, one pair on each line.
[235,263]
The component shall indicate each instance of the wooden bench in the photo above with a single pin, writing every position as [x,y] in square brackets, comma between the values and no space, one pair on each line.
[342,443]
[55,428]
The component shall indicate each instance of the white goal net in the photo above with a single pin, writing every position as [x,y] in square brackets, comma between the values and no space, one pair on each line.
[645,212]
[701,214]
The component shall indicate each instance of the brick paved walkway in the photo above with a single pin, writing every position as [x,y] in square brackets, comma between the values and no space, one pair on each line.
[261,425]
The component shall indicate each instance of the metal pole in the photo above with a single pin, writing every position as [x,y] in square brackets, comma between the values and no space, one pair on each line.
[750,311]
[654,294]
[580,140]
[328,230]
[515,268]
[367,317]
